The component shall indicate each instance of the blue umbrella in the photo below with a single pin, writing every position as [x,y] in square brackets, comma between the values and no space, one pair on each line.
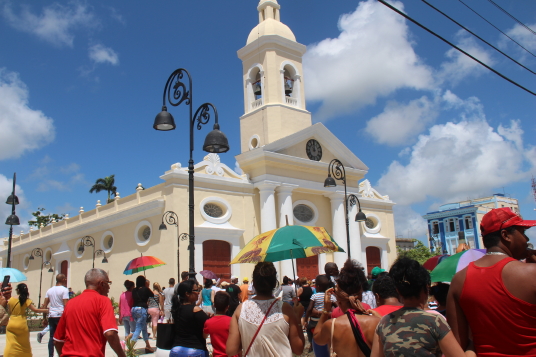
[15,275]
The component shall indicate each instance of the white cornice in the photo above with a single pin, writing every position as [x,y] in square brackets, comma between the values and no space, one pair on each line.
[264,106]
[278,42]
[199,178]
[449,213]
[128,215]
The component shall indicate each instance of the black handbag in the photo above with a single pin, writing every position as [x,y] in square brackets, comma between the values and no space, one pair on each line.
[165,333]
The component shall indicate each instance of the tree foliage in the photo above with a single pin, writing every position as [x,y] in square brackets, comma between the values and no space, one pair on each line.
[420,253]
[105,184]
[41,218]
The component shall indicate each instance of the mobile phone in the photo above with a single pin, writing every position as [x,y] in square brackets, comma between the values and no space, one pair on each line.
[6,281]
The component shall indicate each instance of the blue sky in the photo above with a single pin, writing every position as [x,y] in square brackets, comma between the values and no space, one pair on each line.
[81,83]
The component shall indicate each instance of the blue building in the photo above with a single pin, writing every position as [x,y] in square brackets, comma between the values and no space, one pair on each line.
[461,220]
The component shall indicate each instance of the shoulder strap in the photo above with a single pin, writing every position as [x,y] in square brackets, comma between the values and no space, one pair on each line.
[258,329]
[358,334]
[331,345]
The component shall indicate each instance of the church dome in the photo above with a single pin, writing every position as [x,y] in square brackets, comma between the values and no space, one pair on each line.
[269,22]
[270,27]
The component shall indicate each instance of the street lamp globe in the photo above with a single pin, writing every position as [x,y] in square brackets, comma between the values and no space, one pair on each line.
[13,220]
[164,120]
[12,198]
[360,216]
[162,227]
[216,141]
[330,182]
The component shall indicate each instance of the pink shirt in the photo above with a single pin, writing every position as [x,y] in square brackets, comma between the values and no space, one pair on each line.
[126,302]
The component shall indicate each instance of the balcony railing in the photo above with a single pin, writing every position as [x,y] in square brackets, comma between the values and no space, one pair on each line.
[291,101]
[256,103]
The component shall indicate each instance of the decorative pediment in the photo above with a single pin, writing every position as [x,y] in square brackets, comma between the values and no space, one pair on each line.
[211,165]
[366,190]
[332,147]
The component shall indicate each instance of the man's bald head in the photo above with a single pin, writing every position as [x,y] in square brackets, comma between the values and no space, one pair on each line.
[331,269]
[93,276]
[60,278]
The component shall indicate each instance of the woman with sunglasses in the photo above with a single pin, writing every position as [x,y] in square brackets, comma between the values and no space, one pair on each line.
[189,321]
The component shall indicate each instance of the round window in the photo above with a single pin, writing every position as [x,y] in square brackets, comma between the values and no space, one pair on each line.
[109,242]
[370,223]
[213,210]
[145,233]
[303,213]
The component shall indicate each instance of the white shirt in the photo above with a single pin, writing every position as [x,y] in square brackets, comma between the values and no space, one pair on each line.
[55,295]
[168,295]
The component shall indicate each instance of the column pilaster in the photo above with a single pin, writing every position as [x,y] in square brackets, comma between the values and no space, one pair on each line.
[284,200]
[267,204]
[338,226]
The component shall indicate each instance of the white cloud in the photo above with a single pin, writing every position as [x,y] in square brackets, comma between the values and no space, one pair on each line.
[408,223]
[459,66]
[23,128]
[102,54]
[56,22]
[344,80]
[400,123]
[523,36]
[456,160]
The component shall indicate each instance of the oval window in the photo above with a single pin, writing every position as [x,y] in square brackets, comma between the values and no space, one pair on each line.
[213,210]
[303,213]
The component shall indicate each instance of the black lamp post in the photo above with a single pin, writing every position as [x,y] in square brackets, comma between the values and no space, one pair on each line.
[99,252]
[12,220]
[48,264]
[172,219]
[177,92]
[38,252]
[87,241]
[336,168]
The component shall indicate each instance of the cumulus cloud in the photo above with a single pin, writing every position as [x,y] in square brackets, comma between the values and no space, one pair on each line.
[522,36]
[400,123]
[459,66]
[56,22]
[456,160]
[23,128]
[101,54]
[408,223]
[344,80]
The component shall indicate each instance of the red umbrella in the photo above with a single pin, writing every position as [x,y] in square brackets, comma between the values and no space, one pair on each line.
[208,274]
[431,263]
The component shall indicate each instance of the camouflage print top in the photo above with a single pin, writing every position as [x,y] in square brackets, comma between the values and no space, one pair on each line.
[412,332]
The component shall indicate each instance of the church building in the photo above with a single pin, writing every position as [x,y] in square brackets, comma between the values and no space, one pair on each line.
[284,159]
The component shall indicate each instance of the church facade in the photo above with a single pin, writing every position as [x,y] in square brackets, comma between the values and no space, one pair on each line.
[284,159]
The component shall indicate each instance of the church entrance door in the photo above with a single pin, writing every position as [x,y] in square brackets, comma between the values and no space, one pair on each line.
[373,258]
[307,267]
[216,257]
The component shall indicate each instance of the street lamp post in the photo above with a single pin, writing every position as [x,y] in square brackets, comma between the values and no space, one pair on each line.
[38,252]
[336,168]
[87,241]
[172,219]
[12,220]
[99,252]
[178,91]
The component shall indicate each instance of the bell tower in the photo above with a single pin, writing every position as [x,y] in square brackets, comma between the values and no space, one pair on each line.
[274,99]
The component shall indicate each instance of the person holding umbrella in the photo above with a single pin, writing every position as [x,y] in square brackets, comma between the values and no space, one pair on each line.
[141,295]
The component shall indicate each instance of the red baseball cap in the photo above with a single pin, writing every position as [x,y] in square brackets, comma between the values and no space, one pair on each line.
[501,218]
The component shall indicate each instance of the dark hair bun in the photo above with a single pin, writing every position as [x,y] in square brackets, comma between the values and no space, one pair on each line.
[352,278]
[410,277]
[265,278]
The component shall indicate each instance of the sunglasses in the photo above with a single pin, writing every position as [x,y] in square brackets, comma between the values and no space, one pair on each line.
[107,282]
[196,290]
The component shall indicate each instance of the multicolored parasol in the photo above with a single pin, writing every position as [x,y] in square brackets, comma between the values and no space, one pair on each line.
[431,263]
[142,263]
[444,272]
[289,242]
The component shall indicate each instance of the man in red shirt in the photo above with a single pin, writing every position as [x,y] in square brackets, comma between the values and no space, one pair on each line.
[88,321]
[218,325]
[494,298]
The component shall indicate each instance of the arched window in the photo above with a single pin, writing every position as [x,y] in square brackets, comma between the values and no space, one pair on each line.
[255,87]
[373,258]
[216,257]
[307,267]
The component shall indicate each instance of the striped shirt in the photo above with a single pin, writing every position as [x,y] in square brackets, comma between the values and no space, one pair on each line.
[318,302]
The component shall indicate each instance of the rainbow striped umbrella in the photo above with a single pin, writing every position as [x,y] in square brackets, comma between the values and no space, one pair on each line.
[142,263]
[445,270]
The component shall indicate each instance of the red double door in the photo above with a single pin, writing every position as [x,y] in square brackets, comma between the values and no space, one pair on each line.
[216,257]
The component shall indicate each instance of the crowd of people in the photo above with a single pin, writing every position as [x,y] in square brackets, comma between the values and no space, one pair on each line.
[489,309]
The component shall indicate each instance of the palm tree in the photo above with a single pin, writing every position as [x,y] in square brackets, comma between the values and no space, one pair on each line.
[105,184]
